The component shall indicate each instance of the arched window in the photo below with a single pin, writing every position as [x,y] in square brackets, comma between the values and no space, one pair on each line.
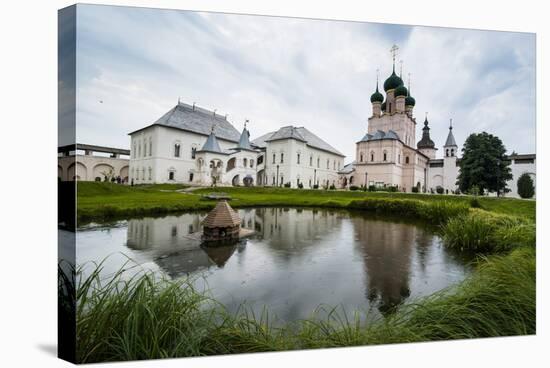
[452,152]
[334,165]
[139,149]
[372,156]
[318,162]
[328,163]
[251,163]
[273,179]
[407,159]
[150,147]
[310,160]
[298,159]
[282,157]
[193,151]
[245,162]
[171,175]
[361,157]
[447,152]
[399,158]
[177,150]
[385,156]
[273,160]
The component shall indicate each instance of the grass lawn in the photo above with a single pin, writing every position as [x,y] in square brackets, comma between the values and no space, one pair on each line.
[100,201]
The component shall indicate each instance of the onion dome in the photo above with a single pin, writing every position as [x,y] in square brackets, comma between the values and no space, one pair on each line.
[392,82]
[410,101]
[376,96]
[401,91]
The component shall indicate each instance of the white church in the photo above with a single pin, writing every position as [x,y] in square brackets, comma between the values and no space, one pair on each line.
[196,146]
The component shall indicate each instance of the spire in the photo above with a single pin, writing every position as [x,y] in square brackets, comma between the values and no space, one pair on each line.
[450,137]
[401,69]
[244,142]
[426,141]
[211,144]
[377,76]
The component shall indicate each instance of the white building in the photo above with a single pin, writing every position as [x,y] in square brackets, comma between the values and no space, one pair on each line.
[196,146]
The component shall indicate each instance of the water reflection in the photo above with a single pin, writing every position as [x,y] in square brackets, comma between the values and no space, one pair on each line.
[296,259]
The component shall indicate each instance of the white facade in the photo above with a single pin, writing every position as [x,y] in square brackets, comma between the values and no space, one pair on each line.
[84,162]
[195,146]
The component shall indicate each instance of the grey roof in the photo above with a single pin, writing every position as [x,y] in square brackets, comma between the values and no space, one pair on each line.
[450,138]
[347,169]
[211,144]
[299,133]
[287,132]
[197,120]
[244,142]
[379,135]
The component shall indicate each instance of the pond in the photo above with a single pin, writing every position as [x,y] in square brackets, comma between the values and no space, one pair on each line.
[296,259]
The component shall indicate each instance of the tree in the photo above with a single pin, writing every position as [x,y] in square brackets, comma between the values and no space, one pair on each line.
[526,188]
[484,164]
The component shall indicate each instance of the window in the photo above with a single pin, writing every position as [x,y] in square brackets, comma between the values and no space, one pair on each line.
[139,150]
[273,179]
[407,159]
[385,156]
[282,157]
[361,157]
[171,175]
[447,153]
[251,163]
[338,165]
[281,180]
[310,160]
[318,162]
[150,147]
[399,158]
[260,160]
[134,151]
[328,164]
[150,174]
[193,151]
[372,156]
[273,158]
[191,177]
[142,173]
[334,165]
[452,152]
[298,159]
[245,162]
[177,150]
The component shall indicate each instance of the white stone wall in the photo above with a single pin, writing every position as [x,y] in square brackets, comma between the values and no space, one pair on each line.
[315,166]
[517,170]
[152,151]
[89,167]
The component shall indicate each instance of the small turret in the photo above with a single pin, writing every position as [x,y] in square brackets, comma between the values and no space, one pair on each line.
[450,146]
[376,99]
[426,145]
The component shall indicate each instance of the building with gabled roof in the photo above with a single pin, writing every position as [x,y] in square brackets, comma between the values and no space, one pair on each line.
[193,145]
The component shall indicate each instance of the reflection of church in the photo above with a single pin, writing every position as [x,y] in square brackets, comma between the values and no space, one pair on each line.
[387,251]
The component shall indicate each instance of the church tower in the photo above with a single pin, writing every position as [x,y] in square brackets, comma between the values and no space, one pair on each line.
[450,164]
[426,145]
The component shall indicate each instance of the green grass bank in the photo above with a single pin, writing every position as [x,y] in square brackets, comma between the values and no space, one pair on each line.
[106,201]
[147,318]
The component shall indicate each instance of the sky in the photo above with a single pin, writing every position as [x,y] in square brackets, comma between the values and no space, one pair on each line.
[133,64]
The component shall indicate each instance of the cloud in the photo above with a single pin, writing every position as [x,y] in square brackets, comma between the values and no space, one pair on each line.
[279,71]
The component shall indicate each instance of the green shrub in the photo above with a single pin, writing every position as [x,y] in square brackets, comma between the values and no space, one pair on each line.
[481,231]
[353,187]
[526,188]
[287,185]
[474,203]
[439,189]
[332,187]
[414,189]
[315,186]
[300,185]
[372,188]
[393,188]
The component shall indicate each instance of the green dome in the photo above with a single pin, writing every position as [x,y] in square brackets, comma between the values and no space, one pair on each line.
[392,82]
[376,96]
[410,101]
[401,91]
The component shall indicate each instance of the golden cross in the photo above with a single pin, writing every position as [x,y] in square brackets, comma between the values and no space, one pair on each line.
[393,51]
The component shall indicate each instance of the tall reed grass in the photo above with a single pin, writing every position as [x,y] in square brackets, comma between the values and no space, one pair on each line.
[482,231]
[145,317]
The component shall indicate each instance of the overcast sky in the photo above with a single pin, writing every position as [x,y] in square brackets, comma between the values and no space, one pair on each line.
[285,71]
